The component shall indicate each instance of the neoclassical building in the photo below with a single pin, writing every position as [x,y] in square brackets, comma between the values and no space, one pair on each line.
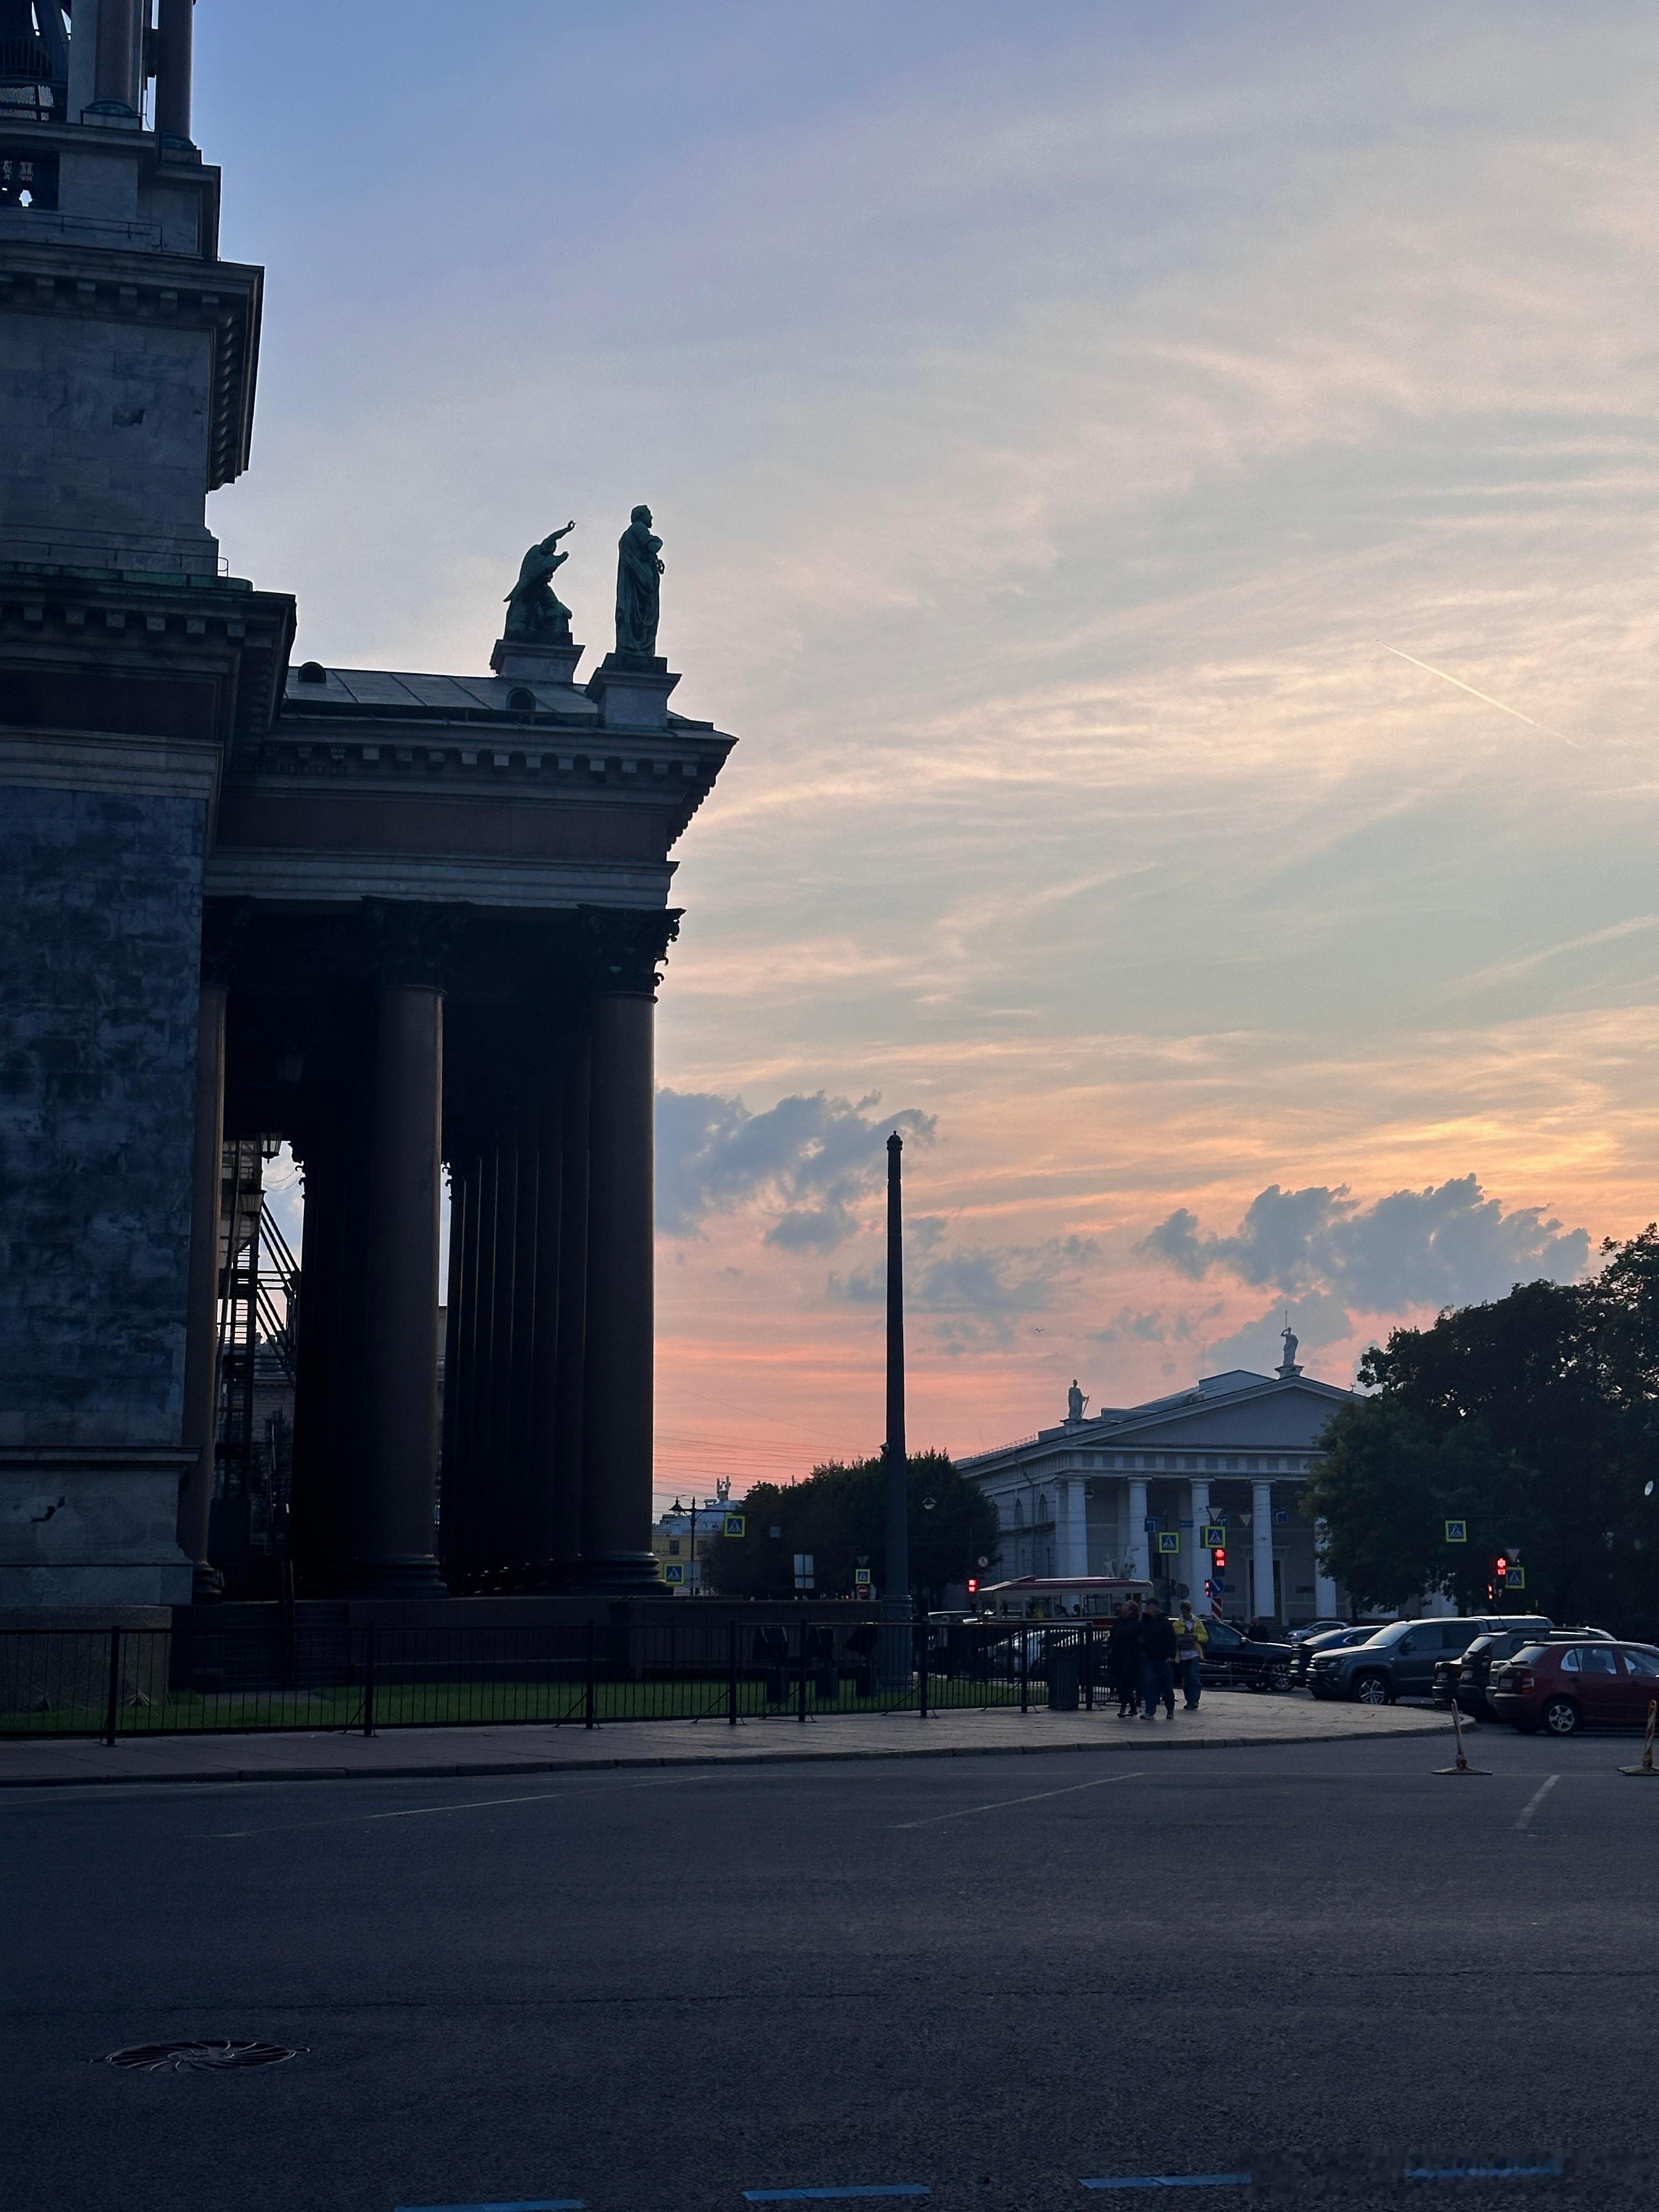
[407,922]
[1105,1493]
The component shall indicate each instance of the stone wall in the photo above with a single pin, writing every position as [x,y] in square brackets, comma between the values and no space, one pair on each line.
[99,982]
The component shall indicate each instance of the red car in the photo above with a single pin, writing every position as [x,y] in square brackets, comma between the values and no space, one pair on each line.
[1562,1687]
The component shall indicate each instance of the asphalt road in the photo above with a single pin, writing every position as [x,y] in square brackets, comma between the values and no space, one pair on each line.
[652,1992]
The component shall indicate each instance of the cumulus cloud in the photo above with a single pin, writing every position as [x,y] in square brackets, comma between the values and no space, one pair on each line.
[976,1291]
[1447,1245]
[810,1159]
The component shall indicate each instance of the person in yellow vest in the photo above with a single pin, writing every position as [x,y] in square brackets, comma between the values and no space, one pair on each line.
[1192,1640]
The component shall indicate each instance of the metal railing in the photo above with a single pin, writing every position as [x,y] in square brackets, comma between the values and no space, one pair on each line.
[128,1682]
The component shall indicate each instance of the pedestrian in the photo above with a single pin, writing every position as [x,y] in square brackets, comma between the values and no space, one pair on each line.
[1158,1653]
[1192,1639]
[1123,1657]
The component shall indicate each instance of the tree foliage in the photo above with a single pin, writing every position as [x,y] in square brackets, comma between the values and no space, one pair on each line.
[839,1514]
[1533,1419]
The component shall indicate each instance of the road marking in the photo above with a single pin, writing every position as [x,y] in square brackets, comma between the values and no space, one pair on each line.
[1170,2181]
[1535,1800]
[831,2196]
[425,1811]
[1511,2170]
[1001,1803]
[517,2204]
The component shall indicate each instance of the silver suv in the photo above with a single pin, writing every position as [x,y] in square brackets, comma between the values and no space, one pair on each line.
[1398,1662]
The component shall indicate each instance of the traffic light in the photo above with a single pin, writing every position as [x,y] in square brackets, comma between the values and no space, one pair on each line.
[1501,1566]
[1219,1555]
[973,1585]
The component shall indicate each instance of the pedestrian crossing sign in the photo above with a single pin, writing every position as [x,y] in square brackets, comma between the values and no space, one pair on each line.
[861,1578]
[1214,1536]
[1457,1532]
[1169,1539]
[737,1524]
[1516,1579]
[674,1571]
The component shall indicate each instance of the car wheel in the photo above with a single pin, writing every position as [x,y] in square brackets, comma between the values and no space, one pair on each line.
[1279,1678]
[1373,1690]
[1562,1716]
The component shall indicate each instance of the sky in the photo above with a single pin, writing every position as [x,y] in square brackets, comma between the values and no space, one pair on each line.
[1088,441]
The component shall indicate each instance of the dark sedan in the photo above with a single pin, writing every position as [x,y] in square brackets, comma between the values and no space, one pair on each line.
[1234,1661]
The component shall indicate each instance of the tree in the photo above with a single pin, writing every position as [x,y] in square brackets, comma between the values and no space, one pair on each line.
[1532,1419]
[839,1514]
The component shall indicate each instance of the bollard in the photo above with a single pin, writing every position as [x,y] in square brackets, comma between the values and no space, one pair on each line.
[1462,1765]
[1646,1767]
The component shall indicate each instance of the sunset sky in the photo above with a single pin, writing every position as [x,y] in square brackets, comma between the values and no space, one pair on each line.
[1053,414]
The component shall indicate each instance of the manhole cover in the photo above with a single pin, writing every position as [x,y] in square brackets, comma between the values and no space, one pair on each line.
[214,2055]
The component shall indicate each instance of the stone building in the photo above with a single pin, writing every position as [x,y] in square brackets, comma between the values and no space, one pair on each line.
[1130,1489]
[402,920]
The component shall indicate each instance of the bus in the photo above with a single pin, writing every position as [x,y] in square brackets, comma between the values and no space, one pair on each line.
[1057,1597]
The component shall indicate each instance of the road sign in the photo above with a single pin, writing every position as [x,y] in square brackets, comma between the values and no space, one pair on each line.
[983,1561]
[1168,1541]
[860,1577]
[1516,1579]
[1281,1516]
[1150,1524]
[1214,1536]
[865,1589]
[1457,1532]
[737,1524]
[673,1572]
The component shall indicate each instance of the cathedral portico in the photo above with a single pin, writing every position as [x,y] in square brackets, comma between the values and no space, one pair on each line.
[411,924]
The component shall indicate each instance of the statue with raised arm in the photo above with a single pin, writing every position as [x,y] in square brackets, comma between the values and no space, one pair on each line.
[639,592]
[533,611]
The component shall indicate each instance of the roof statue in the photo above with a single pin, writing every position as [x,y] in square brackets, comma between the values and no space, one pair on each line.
[1075,1402]
[1288,1369]
[533,611]
[639,592]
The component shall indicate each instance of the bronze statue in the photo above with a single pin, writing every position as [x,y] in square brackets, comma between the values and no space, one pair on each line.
[533,611]
[638,592]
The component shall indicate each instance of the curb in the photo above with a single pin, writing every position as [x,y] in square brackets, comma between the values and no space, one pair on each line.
[446,1771]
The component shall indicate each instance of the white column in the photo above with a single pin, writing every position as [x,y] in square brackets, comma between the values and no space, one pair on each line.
[1325,1604]
[1262,1544]
[1139,1552]
[1195,1560]
[1071,1514]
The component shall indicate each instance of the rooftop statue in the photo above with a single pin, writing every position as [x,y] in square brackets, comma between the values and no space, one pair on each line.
[533,611]
[638,590]
[1075,1402]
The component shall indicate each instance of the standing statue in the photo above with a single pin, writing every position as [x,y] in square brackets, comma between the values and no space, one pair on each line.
[1075,1401]
[639,594]
[533,611]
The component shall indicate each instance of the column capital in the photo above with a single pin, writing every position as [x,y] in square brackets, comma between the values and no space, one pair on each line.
[412,945]
[621,948]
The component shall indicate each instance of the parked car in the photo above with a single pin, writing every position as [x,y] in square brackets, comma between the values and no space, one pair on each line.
[1311,1628]
[1332,1639]
[1234,1661]
[1562,1687]
[1399,1661]
[1466,1678]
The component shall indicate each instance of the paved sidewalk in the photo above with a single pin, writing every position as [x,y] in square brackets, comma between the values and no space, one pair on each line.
[1226,1719]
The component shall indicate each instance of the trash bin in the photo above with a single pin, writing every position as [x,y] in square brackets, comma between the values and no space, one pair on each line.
[1065,1678]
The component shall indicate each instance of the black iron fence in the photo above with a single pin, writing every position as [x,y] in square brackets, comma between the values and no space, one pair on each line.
[127,1682]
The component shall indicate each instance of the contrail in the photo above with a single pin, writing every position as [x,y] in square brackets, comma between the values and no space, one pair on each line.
[1485,697]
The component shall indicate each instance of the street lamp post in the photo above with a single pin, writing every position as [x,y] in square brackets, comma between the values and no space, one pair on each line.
[895,1590]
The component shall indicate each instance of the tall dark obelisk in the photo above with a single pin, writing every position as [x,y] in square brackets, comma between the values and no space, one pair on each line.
[895,1586]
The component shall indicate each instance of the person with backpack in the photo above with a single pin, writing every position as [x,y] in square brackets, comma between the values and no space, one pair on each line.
[1192,1638]
[1157,1657]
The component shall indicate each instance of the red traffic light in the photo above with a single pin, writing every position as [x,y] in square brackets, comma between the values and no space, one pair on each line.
[973,1585]
[1501,1565]
[1219,1555]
